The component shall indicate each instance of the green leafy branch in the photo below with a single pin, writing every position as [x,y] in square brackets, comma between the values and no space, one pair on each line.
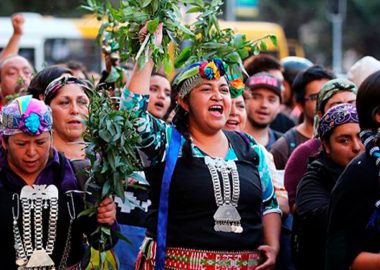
[128,20]
[210,41]
[110,146]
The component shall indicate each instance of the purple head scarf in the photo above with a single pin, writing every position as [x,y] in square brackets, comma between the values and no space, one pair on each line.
[26,115]
[338,115]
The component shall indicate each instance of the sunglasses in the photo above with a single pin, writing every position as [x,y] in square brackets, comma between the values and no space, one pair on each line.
[312,97]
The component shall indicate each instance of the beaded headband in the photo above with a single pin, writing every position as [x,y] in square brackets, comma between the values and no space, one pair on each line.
[193,75]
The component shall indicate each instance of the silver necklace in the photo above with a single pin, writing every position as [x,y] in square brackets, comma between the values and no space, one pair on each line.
[35,198]
[226,217]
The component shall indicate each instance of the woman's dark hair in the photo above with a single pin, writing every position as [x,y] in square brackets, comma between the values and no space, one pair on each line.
[368,101]
[313,73]
[181,121]
[42,79]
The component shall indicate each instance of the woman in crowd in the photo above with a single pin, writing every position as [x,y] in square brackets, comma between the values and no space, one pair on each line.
[159,95]
[339,133]
[38,201]
[68,98]
[238,115]
[353,239]
[132,220]
[333,92]
[203,220]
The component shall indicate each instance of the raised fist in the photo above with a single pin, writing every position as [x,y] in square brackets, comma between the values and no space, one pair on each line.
[18,21]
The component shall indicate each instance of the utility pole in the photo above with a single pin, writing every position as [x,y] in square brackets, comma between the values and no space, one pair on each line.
[230,10]
[336,14]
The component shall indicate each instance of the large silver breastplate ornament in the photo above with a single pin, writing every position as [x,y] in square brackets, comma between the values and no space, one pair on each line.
[226,217]
[31,253]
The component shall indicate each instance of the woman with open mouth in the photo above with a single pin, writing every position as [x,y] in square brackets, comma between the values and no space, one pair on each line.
[238,115]
[213,203]
[159,95]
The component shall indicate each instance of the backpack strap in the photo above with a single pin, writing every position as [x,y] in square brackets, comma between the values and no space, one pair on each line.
[292,139]
[241,143]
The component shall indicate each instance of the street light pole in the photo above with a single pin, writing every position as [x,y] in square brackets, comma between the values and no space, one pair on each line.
[336,14]
[230,10]
[337,22]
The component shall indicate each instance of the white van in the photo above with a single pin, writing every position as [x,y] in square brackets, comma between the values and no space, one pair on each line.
[49,40]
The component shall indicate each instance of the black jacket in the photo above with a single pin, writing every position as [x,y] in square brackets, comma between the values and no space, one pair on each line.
[310,219]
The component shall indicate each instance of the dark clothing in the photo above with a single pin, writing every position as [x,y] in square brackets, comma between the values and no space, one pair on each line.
[352,203]
[282,123]
[297,165]
[193,203]
[285,145]
[58,171]
[273,137]
[310,217]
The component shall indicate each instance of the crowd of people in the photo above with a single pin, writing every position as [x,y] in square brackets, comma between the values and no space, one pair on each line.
[279,170]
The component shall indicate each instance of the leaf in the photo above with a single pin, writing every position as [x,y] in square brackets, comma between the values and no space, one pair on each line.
[168,65]
[194,10]
[105,136]
[152,25]
[105,230]
[273,39]
[183,57]
[146,3]
[88,212]
[106,189]
[232,57]
[263,46]
[122,237]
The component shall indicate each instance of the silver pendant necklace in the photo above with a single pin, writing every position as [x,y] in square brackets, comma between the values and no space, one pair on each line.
[34,199]
[226,217]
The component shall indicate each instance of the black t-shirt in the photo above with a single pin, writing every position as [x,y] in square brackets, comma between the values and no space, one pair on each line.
[352,203]
[192,203]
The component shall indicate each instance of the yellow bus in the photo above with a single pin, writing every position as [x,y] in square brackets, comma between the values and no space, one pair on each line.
[256,30]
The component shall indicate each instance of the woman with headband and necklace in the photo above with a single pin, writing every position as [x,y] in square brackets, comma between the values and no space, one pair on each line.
[212,204]
[39,195]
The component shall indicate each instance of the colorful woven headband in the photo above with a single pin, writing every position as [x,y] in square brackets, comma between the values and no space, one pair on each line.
[193,75]
[26,115]
[338,115]
[60,82]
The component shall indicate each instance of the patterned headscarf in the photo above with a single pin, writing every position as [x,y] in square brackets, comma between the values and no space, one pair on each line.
[60,82]
[26,115]
[193,75]
[329,89]
[338,115]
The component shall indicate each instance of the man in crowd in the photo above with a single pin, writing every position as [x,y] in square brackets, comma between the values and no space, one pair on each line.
[15,75]
[262,100]
[292,65]
[268,63]
[306,87]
